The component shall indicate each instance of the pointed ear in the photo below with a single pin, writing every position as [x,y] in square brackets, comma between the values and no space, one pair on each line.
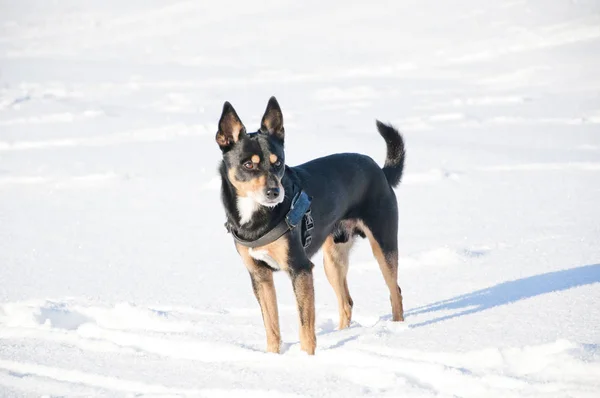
[231,128]
[272,121]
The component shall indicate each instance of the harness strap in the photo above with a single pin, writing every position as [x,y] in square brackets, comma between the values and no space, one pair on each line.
[299,211]
[264,240]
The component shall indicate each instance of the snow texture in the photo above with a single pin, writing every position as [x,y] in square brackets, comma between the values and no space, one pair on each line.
[117,277]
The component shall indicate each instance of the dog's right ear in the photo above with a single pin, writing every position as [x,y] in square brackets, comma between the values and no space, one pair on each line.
[231,128]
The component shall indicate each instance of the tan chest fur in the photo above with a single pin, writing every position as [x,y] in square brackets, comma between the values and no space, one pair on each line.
[274,254]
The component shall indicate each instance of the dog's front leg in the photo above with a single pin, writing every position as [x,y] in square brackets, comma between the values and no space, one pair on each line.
[264,290]
[302,281]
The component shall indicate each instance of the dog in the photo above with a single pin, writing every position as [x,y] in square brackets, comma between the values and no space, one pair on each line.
[280,216]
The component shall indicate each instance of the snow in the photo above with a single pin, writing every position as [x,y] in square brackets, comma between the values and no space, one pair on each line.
[117,277]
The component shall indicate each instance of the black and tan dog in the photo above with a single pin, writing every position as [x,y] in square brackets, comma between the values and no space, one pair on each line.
[276,227]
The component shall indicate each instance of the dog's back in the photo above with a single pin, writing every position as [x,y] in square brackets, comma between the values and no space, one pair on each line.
[351,186]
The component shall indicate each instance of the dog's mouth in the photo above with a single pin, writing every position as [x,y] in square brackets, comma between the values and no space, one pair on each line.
[270,203]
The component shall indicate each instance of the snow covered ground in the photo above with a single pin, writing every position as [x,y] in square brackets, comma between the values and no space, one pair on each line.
[117,277]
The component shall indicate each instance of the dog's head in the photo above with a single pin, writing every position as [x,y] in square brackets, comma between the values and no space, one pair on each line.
[254,162]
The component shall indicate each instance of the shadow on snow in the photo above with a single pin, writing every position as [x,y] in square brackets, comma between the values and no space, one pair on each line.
[510,292]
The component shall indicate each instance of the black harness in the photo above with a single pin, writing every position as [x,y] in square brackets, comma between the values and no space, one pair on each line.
[298,214]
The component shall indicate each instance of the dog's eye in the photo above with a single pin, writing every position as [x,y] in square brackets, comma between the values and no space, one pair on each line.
[278,164]
[249,165]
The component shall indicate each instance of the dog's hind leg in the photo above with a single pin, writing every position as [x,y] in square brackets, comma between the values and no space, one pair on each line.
[384,244]
[264,290]
[335,260]
[388,263]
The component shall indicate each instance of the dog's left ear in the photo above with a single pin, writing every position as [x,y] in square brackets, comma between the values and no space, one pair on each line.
[272,121]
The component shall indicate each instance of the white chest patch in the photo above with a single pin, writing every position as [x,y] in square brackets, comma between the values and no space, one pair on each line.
[263,255]
[246,207]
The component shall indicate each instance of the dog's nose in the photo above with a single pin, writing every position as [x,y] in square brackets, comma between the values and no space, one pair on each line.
[272,193]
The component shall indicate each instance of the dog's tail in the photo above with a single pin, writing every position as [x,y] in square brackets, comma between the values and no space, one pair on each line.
[394,161]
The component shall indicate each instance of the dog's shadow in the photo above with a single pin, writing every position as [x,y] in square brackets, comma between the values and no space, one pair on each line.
[477,301]
[508,292]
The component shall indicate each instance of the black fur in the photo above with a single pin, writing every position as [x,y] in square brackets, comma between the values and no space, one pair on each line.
[346,186]
[265,218]
[352,196]
[394,161]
